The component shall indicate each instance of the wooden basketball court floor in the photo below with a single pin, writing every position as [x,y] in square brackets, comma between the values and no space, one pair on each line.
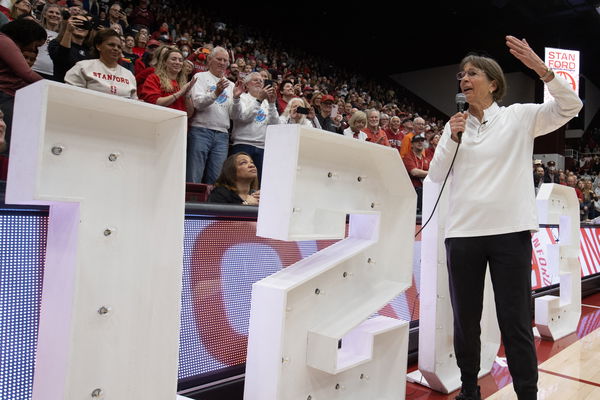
[569,369]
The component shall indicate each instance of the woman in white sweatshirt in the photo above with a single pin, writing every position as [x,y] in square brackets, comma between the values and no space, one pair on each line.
[491,223]
[104,74]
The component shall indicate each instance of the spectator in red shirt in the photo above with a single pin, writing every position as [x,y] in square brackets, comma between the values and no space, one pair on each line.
[572,182]
[167,86]
[141,15]
[430,151]
[417,165]
[284,94]
[394,133]
[141,41]
[374,133]
[384,121]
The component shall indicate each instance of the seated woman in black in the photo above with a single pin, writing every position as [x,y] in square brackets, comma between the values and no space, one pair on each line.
[238,182]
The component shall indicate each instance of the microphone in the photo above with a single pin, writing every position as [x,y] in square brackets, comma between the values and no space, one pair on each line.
[460,100]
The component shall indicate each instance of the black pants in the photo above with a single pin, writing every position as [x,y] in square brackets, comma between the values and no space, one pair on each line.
[509,258]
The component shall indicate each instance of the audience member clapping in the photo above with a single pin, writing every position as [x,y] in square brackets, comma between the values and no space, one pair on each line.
[168,85]
[208,137]
[104,74]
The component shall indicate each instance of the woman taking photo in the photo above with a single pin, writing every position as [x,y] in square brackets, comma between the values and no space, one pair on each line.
[104,74]
[70,46]
[492,223]
[357,123]
[238,182]
[167,86]
[291,115]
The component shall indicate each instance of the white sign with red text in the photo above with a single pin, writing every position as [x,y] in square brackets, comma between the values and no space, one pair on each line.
[565,64]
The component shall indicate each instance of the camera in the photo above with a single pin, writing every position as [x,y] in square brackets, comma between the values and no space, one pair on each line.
[85,25]
[302,110]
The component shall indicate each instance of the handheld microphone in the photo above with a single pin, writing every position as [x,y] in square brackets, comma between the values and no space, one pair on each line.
[460,100]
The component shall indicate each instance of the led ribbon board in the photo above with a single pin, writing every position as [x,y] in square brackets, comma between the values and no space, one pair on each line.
[557,317]
[112,171]
[310,335]
[437,361]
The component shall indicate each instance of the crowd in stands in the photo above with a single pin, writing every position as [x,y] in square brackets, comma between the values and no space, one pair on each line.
[231,82]
[585,179]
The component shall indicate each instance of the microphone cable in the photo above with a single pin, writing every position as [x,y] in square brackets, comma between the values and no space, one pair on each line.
[441,191]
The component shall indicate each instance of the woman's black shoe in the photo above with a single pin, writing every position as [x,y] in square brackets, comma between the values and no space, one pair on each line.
[469,394]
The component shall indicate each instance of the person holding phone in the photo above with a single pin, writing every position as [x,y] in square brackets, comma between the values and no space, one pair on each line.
[252,112]
[70,46]
[329,120]
[295,112]
[116,15]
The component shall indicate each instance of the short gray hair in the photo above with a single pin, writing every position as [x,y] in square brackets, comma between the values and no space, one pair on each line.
[216,50]
[249,77]
[369,111]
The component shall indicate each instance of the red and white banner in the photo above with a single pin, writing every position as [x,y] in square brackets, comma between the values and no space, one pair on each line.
[545,271]
[565,64]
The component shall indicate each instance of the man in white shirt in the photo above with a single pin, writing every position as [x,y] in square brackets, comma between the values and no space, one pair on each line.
[208,137]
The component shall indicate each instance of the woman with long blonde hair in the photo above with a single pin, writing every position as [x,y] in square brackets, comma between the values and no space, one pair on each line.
[167,86]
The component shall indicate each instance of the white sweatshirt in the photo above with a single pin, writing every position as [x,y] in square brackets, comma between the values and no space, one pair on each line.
[95,75]
[361,135]
[212,112]
[492,191]
[250,120]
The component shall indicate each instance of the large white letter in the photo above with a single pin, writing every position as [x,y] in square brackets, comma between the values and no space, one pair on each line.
[310,333]
[557,317]
[112,172]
